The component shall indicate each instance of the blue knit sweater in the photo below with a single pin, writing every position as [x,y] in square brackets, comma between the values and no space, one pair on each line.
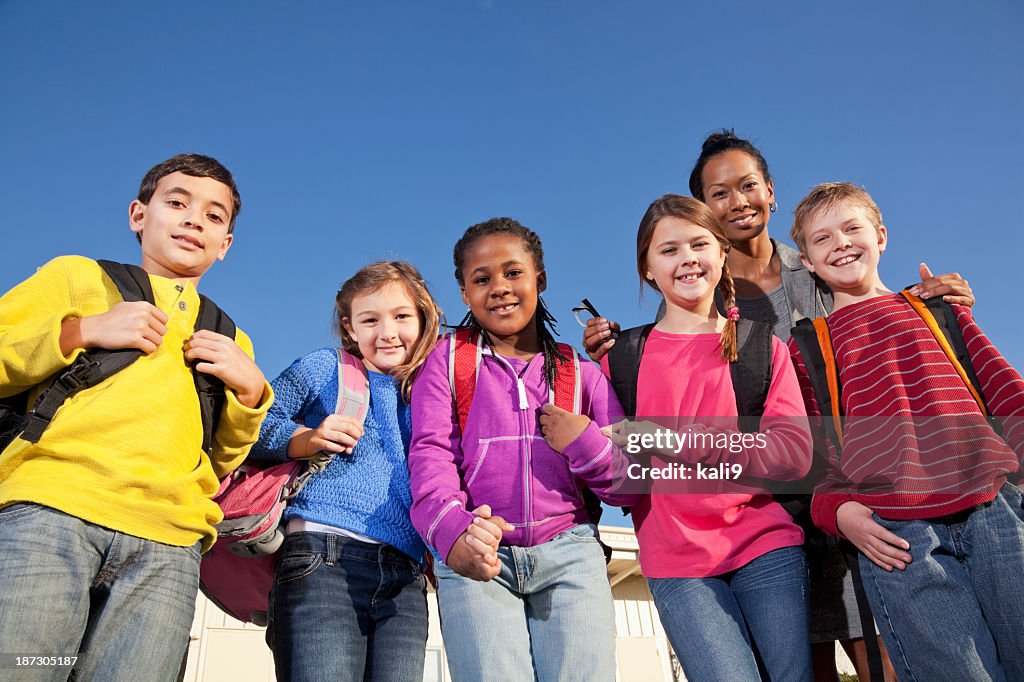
[366,492]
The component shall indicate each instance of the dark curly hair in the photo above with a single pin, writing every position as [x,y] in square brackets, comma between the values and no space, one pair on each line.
[544,319]
[719,142]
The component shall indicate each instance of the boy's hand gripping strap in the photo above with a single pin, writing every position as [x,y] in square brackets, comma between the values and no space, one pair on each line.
[209,388]
[353,401]
[95,365]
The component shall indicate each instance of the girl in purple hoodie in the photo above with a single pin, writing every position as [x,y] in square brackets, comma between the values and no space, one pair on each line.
[522,586]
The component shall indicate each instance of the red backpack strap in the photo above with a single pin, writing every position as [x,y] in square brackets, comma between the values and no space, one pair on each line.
[353,387]
[464,352]
[566,392]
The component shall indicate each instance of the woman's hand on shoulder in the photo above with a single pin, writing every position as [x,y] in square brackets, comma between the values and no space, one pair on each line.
[336,433]
[952,287]
[882,546]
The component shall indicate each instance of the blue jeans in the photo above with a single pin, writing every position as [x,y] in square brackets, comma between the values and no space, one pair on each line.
[957,611]
[710,621]
[547,616]
[341,609]
[122,604]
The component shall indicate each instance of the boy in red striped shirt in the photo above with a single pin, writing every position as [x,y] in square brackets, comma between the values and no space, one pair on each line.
[921,484]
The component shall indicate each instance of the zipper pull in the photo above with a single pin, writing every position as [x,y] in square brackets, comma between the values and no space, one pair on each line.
[523,405]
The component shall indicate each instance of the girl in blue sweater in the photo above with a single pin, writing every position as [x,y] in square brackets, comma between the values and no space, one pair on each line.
[349,597]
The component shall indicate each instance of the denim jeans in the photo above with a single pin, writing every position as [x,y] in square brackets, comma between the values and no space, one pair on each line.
[957,611]
[342,609]
[547,616]
[122,604]
[710,621]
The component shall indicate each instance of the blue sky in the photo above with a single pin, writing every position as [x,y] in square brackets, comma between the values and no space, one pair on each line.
[361,131]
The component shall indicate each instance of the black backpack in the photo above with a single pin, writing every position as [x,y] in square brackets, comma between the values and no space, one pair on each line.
[751,372]
[96,365]
[751,379]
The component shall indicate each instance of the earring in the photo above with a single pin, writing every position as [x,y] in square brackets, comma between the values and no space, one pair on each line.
[773,207]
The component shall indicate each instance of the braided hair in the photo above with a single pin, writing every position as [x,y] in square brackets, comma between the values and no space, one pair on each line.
[693,211]
[543,318]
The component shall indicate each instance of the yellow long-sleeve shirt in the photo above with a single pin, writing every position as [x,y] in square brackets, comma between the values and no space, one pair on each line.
[126,454]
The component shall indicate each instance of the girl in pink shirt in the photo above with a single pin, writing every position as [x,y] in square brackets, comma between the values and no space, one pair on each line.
[724,563]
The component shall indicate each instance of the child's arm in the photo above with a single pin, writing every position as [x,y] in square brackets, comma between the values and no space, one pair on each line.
[438,501]
[592,456]
[1001,384]
[33,316]
[786,453]
[239,425]
[296,391]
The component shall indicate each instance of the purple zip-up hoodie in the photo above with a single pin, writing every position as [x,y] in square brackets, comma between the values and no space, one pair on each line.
[502,459]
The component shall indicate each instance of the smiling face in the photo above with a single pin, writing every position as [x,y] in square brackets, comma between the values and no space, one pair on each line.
[737,193]
[385,324]
[842,246]
[500,284]
[685,262]
[184,227]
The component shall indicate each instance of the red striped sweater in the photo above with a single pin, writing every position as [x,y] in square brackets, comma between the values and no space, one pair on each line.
[917,445]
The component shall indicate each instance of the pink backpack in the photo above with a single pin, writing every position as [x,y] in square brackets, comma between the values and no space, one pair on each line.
[238,572]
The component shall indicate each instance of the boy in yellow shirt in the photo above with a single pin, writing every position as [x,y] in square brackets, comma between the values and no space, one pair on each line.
[103,518]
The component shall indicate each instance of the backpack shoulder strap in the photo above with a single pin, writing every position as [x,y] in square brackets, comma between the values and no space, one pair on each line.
[209,388]
[752,372]
[815,345]
[95,365]
[131,281]
[464,354]
[566,393]
[624,365]
[353,387]
[940,318]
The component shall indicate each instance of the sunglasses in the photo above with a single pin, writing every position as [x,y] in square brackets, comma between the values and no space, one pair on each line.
[585,306]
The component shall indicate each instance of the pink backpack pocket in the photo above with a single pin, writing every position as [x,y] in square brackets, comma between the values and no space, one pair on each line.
[238,572]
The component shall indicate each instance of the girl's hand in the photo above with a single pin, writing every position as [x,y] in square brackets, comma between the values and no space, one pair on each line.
[883,547]
[474,555]
[617,433]
[561,427]
[336,433]
[486,530]
[599,337]
[952,287]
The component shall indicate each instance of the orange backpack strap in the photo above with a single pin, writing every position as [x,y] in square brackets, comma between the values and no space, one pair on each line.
[566,392]
[464,353]
[831,374]
[922,309]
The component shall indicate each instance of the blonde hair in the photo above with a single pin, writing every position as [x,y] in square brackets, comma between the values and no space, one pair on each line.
[827,196]
[372,278]
[693,211]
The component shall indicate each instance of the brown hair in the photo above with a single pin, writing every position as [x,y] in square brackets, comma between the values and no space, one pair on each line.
[690,210]
[372,278]
[827,196]
[197,166]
